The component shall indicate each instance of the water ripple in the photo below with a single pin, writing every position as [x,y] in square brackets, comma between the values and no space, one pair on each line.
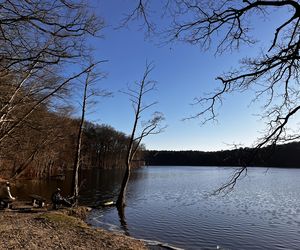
[171,205]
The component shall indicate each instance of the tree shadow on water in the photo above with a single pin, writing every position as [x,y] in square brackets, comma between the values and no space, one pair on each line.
[122,219]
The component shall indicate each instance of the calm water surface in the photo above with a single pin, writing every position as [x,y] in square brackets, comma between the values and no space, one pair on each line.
[173,205]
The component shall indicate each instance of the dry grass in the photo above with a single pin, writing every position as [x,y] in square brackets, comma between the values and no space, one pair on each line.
[57,230]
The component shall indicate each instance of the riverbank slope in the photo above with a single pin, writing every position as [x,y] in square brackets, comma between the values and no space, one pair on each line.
[57,230]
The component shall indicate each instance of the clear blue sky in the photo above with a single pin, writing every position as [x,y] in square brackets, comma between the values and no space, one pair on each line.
[182,72]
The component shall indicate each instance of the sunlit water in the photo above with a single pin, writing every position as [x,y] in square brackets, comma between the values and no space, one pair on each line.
[173,205]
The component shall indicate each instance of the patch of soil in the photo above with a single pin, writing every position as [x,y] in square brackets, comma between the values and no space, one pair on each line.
[57,230]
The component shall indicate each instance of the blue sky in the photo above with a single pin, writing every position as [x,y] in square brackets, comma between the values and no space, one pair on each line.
[182,72]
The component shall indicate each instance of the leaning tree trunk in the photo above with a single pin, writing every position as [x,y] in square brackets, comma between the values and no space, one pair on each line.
[121,198]
[129,155]
[136,97]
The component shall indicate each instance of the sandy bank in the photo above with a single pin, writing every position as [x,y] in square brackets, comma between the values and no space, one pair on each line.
[57,230]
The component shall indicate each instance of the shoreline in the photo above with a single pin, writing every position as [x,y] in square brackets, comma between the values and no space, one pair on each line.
[58,229]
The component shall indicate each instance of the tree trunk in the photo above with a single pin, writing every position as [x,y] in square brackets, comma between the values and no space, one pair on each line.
[121,198]
[147,128]
[75,183]
[77,165]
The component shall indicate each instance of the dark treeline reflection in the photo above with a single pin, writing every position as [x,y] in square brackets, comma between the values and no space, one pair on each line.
[96,185]
[286,155]
[99,185]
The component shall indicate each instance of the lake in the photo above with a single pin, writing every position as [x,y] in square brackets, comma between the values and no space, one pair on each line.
[174,205]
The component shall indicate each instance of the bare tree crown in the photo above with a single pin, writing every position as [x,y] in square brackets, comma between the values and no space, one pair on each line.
[38,39]
[273,74]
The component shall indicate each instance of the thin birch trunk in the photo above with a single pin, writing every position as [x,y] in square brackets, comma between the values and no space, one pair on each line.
[77,162]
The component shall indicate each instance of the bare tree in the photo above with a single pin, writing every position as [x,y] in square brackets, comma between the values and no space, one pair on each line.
[140,12]
[88,92]
[37,40]
[273,74]
[75,187]
[140,129]
[44,32]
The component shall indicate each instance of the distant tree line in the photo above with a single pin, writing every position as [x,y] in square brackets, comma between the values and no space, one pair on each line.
[286,155]
[105,147]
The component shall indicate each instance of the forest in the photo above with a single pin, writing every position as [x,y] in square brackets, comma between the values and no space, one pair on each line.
[45,146]
[47,76]
[286,155]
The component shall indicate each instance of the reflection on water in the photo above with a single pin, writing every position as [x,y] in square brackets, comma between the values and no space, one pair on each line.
[95,186]
[171,204]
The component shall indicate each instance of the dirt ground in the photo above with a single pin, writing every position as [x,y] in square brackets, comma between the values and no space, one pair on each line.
[62,229]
